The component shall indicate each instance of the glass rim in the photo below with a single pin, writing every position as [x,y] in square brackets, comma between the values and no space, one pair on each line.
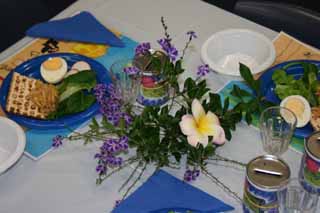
[280,108]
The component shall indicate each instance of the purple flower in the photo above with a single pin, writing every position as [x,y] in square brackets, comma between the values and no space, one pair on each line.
[191,34]
[143,48]
[101,169]
[203,70]
[131,70]
[123,142]
[100,92]
[171,51]
[57,141]
[187,175]
[117,203]
[191,175]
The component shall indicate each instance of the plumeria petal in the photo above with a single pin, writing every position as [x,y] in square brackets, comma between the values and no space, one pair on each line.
[198,138]
[197,110]
[219,137]
[188,125]
[212,118]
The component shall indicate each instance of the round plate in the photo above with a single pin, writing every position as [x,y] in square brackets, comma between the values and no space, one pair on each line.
[12,143]
[268,86]
[31,68]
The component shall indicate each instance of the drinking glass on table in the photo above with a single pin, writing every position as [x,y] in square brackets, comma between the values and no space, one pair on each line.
[277,125]
[125,80]
[295,199]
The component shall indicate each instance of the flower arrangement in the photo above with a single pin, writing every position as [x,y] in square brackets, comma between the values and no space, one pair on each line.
[193,123]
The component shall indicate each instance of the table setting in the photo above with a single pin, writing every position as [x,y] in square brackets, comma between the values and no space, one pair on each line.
[112,123]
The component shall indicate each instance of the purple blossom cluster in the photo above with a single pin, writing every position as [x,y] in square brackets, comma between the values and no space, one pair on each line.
[57,141]
[191,175]
[131,70]
[203,70]
[166,46]
[110,106]
[143,48]
[107,154]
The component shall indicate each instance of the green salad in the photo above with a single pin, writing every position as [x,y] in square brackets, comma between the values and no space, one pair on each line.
[74,94]
[307,85]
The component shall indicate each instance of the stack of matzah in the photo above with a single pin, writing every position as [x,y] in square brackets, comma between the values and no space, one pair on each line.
[18,100]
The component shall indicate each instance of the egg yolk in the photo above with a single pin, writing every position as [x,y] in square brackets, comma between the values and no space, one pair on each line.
[296,106]
[52,64]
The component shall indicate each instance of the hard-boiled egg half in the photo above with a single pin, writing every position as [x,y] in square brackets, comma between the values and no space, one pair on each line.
[300,107]
[53,69]
[78,67]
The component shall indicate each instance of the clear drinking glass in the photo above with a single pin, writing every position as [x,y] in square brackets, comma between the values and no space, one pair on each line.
[127,85]
[277,125]
[295,199]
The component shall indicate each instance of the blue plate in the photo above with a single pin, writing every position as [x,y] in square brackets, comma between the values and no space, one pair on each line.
[268,86]
[31,68]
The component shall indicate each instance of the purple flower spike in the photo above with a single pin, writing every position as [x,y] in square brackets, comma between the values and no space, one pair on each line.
[192,34]
[203,70]
[57,141]
[100,92]
[171,51]
[131,70]
[143,48]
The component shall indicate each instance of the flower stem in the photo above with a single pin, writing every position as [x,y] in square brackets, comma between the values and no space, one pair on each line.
[135,181]
[220,158]
[220,184]
[130,176]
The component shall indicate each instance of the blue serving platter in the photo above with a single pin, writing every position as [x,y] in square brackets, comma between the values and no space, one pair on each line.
[268,86]
[31,68]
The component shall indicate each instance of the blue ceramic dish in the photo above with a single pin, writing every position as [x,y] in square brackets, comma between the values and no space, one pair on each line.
[31,68]
[268,86]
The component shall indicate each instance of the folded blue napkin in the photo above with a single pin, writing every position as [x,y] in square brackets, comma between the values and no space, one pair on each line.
[163,193]
[83,27]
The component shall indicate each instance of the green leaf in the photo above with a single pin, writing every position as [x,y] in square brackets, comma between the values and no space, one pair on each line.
[84,80]
[94,124]
[248,77]
[77,102]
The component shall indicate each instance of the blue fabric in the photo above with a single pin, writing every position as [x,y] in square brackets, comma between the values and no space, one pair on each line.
[163,193]
[83,27]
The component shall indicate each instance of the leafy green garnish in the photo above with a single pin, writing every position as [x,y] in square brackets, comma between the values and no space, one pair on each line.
[77,102]
[84,80]
[305,86]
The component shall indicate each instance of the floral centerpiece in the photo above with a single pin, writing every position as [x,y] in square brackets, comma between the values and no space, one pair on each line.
[193,123]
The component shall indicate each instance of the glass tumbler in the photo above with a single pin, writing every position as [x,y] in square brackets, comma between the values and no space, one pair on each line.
[277,125]
[295,199]
[127,84]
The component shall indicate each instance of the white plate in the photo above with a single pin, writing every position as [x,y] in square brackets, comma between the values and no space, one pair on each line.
[12,143]
[225,49]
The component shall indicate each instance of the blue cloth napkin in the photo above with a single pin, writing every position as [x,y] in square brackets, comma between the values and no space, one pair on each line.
[163,193]
[83,27]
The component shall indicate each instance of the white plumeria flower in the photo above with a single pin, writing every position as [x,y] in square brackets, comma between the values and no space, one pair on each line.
[199,126]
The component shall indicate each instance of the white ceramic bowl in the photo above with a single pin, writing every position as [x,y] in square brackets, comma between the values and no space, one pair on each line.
[225,49]
[12,143]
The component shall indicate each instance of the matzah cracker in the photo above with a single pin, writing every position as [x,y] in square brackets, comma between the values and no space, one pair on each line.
[18,100]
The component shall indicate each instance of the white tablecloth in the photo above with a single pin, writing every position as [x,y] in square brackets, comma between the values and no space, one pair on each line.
[64,180]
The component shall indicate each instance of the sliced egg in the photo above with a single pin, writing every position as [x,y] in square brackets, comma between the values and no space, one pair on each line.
[78,67]
[53,69]
[300,107]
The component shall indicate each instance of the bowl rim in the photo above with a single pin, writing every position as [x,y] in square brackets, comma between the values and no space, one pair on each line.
[21,143]
[214,66]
